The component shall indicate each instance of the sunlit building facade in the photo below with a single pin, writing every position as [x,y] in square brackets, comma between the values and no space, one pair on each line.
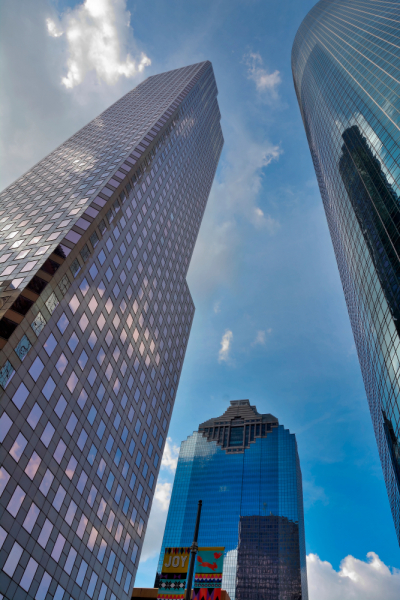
[95,244]
[245,468]
[346,69]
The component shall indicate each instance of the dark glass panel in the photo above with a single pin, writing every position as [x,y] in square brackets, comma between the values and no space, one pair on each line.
[37,285]
[22,305]
[7,327]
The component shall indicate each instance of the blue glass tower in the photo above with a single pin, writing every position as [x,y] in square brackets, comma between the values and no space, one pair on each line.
[346,69]
[245,468]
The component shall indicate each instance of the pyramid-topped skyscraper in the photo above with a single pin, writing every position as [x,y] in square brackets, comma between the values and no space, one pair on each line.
[95,315]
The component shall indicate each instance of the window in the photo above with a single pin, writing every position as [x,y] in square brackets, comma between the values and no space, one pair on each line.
[92,340]
[134,553]
[51,342]
[18,447]
[110,482]
[47,434]
[102,551]
[110,563]
[49,388]
[92,415]
[69,517]
[92,495]
[74,304]
[70,561]
[20,396]
[125,469]
[36,369]
[62,364]
[59,498]
[118,493]
[34,416]
[132,481]
[82,360]
[63,323]
[58,547]
[73,342]
[60,407]
[16,501]
[59,451]
[45,533]
[31,517]
[140,527]
[118,455]
[92,454]
[110,521]
[93,271]
[126,505]
[13,559]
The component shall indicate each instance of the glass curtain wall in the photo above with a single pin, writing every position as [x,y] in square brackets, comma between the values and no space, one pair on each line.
[346,70]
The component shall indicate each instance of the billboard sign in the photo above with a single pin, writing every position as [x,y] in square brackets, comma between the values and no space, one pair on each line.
[208,577]
[174,574]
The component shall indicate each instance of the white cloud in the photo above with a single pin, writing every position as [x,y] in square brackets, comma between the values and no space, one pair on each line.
[53,28]
[170,456]
[233,203]
[163,495]
[313,493]
[260,338]
[157,520]
[97,35]
[355,579]
[267,83]
[217,307]
[223,355]
[38,111]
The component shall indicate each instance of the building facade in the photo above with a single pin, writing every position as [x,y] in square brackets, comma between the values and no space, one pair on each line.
[95,315]
[345,63]
[245,468]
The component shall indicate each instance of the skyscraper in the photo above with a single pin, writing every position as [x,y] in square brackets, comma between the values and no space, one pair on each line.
[96,241]
[345,63]
[245,468]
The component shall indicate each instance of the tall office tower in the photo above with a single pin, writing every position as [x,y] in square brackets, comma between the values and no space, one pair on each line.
[95,245]
[245,468]
[346,71]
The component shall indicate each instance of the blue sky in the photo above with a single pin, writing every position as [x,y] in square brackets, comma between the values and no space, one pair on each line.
[263,275]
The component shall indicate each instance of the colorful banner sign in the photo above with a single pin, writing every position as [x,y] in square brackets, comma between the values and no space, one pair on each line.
[174,574]
[208,574]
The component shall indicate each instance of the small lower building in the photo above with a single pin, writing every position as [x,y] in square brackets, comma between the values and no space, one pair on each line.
[268,563]
[151,594]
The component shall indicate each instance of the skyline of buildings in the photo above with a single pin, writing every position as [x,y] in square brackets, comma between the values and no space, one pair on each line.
[96,241]
[95,314]
[345,63]
[245,468]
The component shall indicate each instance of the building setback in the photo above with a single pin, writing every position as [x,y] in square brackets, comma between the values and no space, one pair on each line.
[345,63]
[245,468]
[95,244]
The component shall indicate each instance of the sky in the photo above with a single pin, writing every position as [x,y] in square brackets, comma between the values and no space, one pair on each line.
[271,323]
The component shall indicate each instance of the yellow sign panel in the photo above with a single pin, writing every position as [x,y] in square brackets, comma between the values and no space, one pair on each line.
[176,560]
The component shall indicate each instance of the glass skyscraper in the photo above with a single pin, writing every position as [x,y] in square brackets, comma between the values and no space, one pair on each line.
[245,468]
[95,244]
[346,69]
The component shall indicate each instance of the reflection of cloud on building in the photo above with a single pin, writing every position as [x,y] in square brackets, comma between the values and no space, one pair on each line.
[351,113]
[243,465]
